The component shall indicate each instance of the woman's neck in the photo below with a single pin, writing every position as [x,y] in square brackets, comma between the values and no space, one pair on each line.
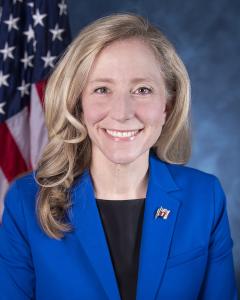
[119,181]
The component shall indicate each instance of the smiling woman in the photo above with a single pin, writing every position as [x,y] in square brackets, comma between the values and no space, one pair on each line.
[130,115]
[111,211]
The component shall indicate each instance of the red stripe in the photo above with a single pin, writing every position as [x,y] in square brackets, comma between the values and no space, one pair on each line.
[11,160]
[40,86]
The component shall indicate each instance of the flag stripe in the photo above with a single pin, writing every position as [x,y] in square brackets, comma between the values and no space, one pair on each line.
[38,130]
[11,160]
[40,86]
[17,125]
[3,189]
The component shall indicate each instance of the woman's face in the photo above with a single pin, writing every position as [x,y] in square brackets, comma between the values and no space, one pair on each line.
[124,101]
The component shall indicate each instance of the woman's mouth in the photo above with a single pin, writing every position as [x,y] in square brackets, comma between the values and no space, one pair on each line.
[122,135]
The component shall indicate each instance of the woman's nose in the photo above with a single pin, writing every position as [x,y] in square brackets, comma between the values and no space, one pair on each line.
[122,107]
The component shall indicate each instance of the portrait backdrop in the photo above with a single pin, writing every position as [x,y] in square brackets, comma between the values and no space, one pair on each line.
[206,36]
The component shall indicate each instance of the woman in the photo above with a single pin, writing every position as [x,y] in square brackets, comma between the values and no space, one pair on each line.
[112,212]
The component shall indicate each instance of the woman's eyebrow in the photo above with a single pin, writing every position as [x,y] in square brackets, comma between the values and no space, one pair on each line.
[134,80]
[110,80]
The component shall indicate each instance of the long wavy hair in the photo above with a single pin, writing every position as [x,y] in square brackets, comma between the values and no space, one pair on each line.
[68,151]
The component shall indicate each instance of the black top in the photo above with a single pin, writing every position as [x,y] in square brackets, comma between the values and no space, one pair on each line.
[122,223]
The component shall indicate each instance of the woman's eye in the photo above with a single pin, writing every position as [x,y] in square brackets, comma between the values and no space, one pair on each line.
[101,90]
[144,90]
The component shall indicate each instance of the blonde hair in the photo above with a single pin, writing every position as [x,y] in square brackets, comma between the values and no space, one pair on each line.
[68,151]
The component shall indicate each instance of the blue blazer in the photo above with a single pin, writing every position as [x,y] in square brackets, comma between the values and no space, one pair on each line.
[186,256]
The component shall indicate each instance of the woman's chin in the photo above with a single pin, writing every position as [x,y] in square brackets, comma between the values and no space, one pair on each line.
[122,158]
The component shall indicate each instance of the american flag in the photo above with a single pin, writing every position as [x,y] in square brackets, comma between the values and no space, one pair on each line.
[32,36]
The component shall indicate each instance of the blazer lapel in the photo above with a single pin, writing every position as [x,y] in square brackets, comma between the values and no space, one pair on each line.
[156,233]
[89,231]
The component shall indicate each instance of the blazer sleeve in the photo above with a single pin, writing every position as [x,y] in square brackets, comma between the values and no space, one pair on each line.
[16,267]
[219,282]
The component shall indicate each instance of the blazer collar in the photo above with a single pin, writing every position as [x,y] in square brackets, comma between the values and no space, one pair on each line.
[156,232]
[160,174]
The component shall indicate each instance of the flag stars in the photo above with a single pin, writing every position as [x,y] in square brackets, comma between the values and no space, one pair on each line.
[62,8]
[29,33]
[12,23]
[48,60]
[38,18]
[7,51]
[30,4]
[15,1]
[56,32]
[27,60]
[1,108]
[24,88]
[3,79]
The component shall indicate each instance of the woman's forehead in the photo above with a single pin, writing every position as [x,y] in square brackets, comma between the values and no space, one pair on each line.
[128,58]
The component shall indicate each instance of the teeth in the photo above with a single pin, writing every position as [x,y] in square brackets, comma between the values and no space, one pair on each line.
[122,134]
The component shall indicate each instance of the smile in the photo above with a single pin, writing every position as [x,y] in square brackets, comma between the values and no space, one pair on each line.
[122,135]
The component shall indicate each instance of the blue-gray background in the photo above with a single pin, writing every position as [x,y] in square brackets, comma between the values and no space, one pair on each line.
[206,35]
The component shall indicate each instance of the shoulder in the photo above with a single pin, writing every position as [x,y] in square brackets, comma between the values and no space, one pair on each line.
[203,199]
[179,175]
[197,182]
[195,188]
[21,195]
[203,189]
[24,186]
[186,176]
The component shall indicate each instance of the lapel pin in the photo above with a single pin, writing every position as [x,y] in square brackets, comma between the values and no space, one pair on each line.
[162,213]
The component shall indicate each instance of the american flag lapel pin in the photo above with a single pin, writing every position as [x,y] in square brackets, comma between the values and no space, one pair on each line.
[162,213]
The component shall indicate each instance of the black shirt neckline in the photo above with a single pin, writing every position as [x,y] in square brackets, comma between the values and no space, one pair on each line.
[119,200]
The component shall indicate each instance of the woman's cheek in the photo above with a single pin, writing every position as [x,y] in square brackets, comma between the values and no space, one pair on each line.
[151,114]
[94,113]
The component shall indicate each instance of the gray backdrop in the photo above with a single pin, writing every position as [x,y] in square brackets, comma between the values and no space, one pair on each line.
[206,34]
